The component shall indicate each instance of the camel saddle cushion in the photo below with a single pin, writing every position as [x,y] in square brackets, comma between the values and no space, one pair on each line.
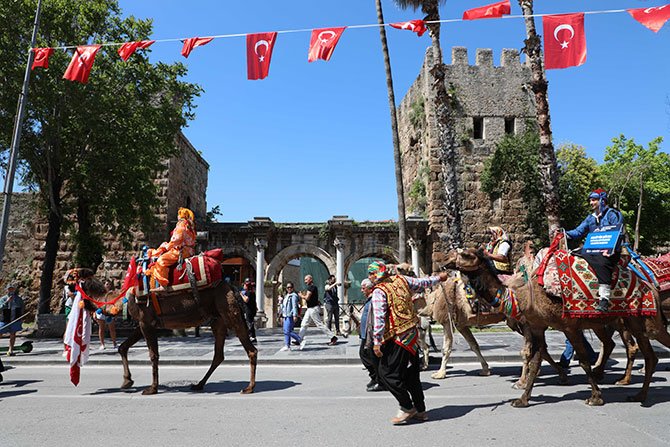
[551,283]
[660,266]
[579,290]
[206,268]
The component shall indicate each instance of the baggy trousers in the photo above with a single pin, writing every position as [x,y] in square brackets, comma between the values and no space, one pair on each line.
[399,373]
[370,361]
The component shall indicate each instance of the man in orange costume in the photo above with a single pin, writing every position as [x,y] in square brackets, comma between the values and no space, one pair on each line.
[181,245]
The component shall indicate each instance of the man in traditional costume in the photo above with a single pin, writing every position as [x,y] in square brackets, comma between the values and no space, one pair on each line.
[395,338]
[180,246]
[602,263]
[498,250]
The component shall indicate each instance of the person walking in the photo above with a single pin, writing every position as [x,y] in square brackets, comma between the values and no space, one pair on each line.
[332,304]
[395,338]
[105,321]
[12,309]
[368,358]
[311,297]
[290,306]
[250,307]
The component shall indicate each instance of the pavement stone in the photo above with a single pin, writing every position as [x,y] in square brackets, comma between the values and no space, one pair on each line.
[190,350]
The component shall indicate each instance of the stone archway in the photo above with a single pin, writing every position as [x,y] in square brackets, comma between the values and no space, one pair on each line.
[236,271]
[385,253]
[281,259]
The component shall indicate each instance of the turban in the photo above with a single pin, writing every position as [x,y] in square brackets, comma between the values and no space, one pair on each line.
[378,268]
[185,213]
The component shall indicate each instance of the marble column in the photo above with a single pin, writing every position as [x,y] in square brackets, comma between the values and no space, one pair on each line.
[339,274]
[261,245]
[414,245]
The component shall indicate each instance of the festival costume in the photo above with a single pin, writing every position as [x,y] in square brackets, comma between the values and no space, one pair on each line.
[180,246]
[501,246]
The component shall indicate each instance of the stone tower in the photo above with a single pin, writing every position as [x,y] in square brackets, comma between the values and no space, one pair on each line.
[487,102]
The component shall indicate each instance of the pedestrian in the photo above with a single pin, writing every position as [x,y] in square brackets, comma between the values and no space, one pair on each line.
[12,309]
[569,352]
[250,307]
[368,358]
[311,297]
[332,304]
[395,338]
[105,321]
[290,307]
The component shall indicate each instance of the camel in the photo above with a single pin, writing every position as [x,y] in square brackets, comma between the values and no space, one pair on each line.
[180,310]
[542,310]
[449,306]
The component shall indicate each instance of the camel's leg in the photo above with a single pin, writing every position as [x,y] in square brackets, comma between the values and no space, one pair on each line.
[219,331]
[242,332]
[424,348]
[447,342]
[606,348]
[535,356]
[123,350]
[575,338]
[650,361]
[152,343]
[474,347]
[631,353]
[562,376]
[526,356]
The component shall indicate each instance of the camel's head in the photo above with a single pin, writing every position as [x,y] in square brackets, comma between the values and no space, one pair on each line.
[464,260]
[86,279]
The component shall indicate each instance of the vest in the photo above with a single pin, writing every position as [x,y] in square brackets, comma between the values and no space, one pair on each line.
[501,266]
[401,315]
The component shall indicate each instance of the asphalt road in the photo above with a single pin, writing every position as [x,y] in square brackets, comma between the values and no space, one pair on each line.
[318,406]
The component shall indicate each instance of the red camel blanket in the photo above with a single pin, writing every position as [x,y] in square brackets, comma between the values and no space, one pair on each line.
[660,266]
[206,268]
[579,290]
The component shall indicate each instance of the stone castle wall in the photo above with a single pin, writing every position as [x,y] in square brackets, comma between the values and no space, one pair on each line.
[497,97]
[184,180]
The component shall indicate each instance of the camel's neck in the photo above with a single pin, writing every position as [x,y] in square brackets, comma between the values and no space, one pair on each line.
[486,284]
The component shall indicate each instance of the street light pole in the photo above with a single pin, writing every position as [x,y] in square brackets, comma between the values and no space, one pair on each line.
[16,139]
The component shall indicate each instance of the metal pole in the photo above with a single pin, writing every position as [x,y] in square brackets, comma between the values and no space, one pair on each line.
[16,139]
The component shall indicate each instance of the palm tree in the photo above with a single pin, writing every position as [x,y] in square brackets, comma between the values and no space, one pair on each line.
[450,225]
[548,166]
[402,223]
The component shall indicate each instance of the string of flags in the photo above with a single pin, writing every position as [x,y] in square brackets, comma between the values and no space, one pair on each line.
[564,40]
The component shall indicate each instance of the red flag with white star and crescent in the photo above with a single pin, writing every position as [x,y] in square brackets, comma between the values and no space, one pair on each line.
[323,42]
[259,53]
[191,43]
[129,48]
[416,26]
[494,11]
[81,63]
[41,57]
[564,40]
[653,18]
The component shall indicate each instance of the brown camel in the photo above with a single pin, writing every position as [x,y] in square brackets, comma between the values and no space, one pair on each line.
[449,306]
[220,305]
[542,310]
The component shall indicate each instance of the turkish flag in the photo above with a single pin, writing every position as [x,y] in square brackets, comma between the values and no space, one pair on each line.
[259,53]
[322,44]
[128,48]
[77,338]
[494,11]
[190,44]
[130,279]
[653,18]
[417,26]
[41,57]
[81,63]
[564,40]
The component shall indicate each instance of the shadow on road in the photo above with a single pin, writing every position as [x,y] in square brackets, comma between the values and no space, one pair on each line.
[457,411]
[13,393]
[225,387]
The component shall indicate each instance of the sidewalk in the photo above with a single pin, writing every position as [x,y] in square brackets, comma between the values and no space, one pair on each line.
[189,350]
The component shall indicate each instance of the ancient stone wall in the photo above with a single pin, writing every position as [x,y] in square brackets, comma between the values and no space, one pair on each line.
[487,101]
[182,182]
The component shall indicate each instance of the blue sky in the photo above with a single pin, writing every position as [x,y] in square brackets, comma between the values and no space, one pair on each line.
[313,140]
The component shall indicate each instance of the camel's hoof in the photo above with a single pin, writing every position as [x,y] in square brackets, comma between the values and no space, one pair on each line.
[485,372]
[149,391]
[197,387]
[623,381]
[639,397]
[439,375]
[127,384]
[247,390]
[595,401]
[518,386]
[520,403]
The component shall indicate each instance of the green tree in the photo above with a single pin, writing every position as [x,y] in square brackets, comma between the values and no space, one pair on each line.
[547,158]
[578,176]
[441,107]
[92,150]
[638,182]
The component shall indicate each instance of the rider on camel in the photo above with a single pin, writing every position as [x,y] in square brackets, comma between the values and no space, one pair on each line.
[180,246]
[602,263]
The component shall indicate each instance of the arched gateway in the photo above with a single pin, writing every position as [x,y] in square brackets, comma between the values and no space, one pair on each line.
[337,244]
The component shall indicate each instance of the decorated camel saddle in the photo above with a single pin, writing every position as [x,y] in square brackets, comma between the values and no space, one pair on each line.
[657,271]
[572,278]
[201,272]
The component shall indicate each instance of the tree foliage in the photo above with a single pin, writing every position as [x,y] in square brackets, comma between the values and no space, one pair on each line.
[578,176]
[630,167]
[90,150]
